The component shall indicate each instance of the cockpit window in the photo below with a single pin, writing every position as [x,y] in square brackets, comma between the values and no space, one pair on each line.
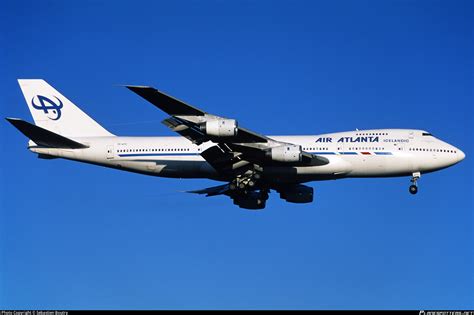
[426,134]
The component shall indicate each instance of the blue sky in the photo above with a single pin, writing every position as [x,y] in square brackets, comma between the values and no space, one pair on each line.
[80,236]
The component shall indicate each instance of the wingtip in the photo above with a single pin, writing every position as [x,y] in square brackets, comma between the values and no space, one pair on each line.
[137,87]
[190,191]
[11,119]
[20,81]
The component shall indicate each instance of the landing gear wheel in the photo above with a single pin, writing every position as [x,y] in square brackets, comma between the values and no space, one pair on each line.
[414,178]
[413,189]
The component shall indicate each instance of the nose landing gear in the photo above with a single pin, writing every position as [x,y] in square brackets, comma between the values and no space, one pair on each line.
[414,187]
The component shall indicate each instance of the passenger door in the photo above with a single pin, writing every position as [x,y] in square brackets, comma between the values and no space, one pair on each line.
[110,152]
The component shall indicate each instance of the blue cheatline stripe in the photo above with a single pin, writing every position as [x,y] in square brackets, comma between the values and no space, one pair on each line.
[349,153]
[196,154]
[158,154]
[321,153]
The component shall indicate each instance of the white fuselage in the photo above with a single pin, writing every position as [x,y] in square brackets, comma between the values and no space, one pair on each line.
[369,153]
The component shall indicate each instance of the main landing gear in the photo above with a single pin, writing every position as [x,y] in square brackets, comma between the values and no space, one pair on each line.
[414,187]
[245,182]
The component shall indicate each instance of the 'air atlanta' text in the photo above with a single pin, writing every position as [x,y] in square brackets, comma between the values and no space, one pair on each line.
[358,139]
[349,139]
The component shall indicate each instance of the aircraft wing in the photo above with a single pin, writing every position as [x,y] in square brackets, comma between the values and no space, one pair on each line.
[236,147]
[187,120]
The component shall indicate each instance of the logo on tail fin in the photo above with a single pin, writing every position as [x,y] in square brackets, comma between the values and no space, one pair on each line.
[50,108]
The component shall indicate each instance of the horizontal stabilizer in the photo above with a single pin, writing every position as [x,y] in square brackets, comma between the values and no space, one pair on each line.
[43,137]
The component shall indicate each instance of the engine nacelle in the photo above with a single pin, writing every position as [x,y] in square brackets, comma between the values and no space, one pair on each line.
[285,153]
[252,200]
[220,127]
[297,194]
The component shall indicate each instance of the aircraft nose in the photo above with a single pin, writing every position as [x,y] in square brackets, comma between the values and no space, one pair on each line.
[460,155]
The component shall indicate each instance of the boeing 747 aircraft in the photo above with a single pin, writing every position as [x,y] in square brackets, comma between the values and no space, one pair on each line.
[218,148]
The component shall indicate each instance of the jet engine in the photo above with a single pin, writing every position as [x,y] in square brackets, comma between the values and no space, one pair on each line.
[285,153]
[220,127]
[253,200]
[297,194]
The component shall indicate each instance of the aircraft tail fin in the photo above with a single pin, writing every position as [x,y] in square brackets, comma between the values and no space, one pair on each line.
[54,112]
[43,137]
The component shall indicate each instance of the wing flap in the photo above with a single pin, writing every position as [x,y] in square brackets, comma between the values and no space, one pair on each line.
[223,160]
[189,131]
